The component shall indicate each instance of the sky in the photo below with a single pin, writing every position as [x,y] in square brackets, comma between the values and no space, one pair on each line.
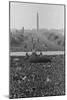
[25,15]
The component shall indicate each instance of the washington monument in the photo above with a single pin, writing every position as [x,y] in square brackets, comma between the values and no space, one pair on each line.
[37,22]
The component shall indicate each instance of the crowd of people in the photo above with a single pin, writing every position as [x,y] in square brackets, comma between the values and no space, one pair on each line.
[37,79]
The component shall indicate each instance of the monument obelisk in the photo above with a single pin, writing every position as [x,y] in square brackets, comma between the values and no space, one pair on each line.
[37,22]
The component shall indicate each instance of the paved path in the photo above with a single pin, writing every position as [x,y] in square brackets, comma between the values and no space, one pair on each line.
[43,52]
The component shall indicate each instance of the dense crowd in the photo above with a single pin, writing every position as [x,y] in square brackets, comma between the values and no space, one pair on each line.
[37,79]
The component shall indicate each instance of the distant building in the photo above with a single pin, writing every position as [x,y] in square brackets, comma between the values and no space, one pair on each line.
[22,30]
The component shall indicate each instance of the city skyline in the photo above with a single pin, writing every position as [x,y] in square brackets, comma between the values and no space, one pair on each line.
[25,15]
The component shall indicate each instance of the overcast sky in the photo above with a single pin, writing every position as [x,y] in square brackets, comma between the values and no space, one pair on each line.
[24,14]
